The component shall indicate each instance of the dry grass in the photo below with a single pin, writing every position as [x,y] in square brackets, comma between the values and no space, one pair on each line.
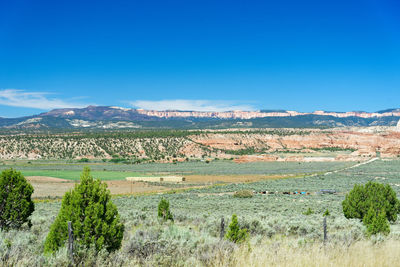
[361,253]
[55,187]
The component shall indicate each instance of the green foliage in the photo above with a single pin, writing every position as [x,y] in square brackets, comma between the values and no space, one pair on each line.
[375,204]
[83,160]
[308,212]
[117,160]
[16,204]
[163,210]
[378,196]
[376,222]
[235,233]
[243,194]
[95,219]
[326,213]
[333,149]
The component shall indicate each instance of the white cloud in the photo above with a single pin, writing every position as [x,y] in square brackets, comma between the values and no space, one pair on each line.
[193,105]
[38,100]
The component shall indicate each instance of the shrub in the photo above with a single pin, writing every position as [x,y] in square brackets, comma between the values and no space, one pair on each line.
[235,233]
[375,204]
[326,213]
[95,219]
[16,204]
[163,210]
[376,223]
[243,194]
[361,198]
[83,160]
[308,212]
[118,160]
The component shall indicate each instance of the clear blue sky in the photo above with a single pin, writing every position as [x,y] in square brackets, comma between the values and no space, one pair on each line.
[299,55]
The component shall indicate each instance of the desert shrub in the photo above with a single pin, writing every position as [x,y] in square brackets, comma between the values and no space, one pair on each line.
[243,194]
[16,204]
[309,211]
[255,227]
[118,160]
[326,213]
[376,223]
[378,196]
[83,160]
[375,204]
[95,219]
[163,210]
[235,233]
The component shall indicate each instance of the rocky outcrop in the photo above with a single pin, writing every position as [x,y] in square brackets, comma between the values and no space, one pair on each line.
[360,144]
[240,145]
[258,114]
[105,112]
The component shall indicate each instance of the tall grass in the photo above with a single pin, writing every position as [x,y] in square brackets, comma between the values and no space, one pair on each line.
[288,253]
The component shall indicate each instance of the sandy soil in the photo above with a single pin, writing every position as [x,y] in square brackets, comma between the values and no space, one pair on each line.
[55,187]
[45,179]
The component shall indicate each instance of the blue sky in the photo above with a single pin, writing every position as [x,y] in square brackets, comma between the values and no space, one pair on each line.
[206,55]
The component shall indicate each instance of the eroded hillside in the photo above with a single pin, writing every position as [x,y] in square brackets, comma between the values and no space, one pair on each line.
[249,145]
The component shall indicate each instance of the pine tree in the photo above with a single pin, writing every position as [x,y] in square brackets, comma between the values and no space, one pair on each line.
[375,204]
[235,234]
[16,204]
[95,219]
[381,197]
[376,222]
[163,210]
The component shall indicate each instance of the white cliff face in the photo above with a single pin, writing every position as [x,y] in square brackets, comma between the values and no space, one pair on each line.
[257,114]
[398,126]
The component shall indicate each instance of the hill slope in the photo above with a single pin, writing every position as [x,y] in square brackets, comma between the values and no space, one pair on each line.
[105,118]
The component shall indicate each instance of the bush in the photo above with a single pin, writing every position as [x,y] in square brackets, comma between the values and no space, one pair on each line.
[95,219]
[308,212]
[235,233]
[163,210]
[243,194]
[83,160]
[376,223]
[326,213]
[373,204]
[16,204]
[361,198]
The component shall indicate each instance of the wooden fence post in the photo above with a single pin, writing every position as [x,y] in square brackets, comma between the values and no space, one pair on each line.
[222,230]
[325,231]
[71,242]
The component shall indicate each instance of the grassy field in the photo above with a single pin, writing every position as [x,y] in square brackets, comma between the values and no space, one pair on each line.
[110,171]
[281,234]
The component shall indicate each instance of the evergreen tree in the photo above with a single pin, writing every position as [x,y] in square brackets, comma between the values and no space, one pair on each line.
[376,222]
[381,197]
[95,219]
[375,204]
[16,204]
[163,210]
[235,234]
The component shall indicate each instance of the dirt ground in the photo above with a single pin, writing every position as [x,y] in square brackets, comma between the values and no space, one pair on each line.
[55,187]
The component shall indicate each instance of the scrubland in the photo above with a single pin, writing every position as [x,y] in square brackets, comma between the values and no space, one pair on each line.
[281,234]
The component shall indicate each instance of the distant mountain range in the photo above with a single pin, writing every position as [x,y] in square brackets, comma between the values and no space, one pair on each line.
[109,118]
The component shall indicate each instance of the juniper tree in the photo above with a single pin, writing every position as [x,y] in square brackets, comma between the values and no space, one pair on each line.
[95,219]
[235,233]
[16,204]
[163,210]
[375,204]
